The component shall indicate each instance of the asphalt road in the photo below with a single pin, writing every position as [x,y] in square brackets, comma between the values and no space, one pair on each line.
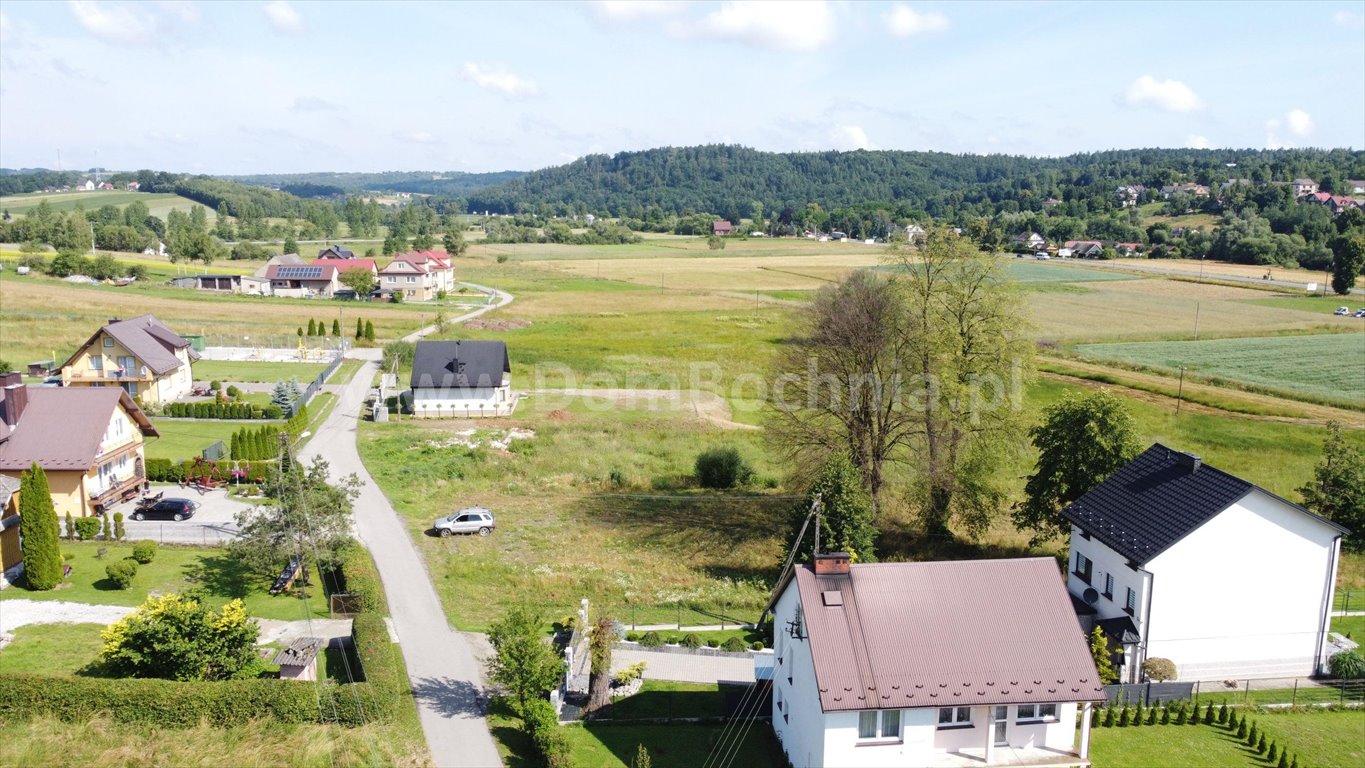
[445,675]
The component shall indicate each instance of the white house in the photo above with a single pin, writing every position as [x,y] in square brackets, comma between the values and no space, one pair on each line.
[1179,560]
[461,379]
[1031,240]
[930,664]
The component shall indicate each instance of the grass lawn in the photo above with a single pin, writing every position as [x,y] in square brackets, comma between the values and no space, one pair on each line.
[1171,746]
[235,373]
[175,569]
[1334,739]
[186,438]
[1351,626]
[102,743]
[52,649]
[1319,365]
[346,371]
[666,699]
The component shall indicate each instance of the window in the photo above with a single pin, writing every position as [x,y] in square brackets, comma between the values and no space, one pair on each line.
[1130,604]
[1109,585]
[879,724]
[1037,712]
[1083,567]
[96,363]
[955,717]
[108,342]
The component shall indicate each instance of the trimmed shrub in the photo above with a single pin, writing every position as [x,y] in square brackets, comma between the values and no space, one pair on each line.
[122,572]
[756,645]
[1261,745]
[691,640]
[106,532]
[1284,759]
[549,740]
[233,391]
[722,468]
[1094,717]
[1165,715]
[1109,717]
[733,644]
[1223,714]
[215,385]
[70,527]
[39,544]
[1180,714]
[1125,719]
[1251,736]
[88,528]
[1194,714]
[1210,717]
[1273,755]
[1139,715]
[1158,669]
[1151,715]
[144,551]
[712,642]
[633,637]
[651,639]
[1242,728]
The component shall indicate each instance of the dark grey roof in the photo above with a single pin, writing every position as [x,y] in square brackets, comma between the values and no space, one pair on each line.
[148,339]
[340,253]
[300,652]
[1156,500]
[1121,628]
[459,364]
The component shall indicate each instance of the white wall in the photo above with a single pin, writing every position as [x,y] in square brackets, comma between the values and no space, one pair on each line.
[456,401]
[1109,562]
[1243,595]
[801,731]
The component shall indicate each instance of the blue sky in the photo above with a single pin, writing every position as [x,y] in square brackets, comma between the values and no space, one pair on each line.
[242,87]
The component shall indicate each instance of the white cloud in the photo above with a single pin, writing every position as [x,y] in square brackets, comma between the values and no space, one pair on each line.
[904,21]
[181,9]
[498,79]
[115,23]
[313,104]
[417,137]
[1195,141]
[7,31]
[632,10]
[850,137]
[1300,123]
[1168,95]
[1349,20]
[283,17]
[785,25]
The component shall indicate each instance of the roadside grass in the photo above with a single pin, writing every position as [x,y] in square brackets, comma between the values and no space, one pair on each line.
[52,649]
[230,372]
[749,636]
[183,439]
[103,743]
[1318,365]
[44,315]
[346,371]
[175,569]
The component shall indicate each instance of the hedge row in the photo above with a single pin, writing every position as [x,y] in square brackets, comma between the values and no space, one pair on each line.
[222,411]
[167,471]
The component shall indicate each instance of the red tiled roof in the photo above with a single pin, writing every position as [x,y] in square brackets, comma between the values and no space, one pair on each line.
[62,427]
[957,633]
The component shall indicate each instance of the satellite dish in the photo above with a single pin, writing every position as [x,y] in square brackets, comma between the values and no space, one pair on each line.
[1090,595]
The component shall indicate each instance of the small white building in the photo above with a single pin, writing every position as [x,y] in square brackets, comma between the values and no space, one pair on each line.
[461,379]
[930,664]
[1176,559]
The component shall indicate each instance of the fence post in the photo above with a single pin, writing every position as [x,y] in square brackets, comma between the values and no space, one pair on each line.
[1196,694]
[1247,696]
[679,616]
[1147,698]
[1294,697]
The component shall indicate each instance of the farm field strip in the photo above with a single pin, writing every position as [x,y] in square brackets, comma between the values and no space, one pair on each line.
[1325,365]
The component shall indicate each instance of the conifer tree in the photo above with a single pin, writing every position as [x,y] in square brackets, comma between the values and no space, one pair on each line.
[42,554]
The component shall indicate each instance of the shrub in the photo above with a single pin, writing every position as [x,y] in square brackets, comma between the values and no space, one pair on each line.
[1125,719]
[1180,714]
[629,674]
[1151,716]
[1261,745]
[88,528]
[1210,717]
[691,640]
[215,385]
[1194,714]
[757,645]
[712,642]
[144,551]
[101,553]
[122,572]
[1139,714]
[1109,717]
[1242,728]
[70,527]
[1095,717]
[106,532]
[1158,669]
[1223,714]
[1273,755]
[733,644]
[176,638]
[722,468]
[1251,736]
[633,637]
[651,640]
[1347,665]
[233,391]
[1165,715]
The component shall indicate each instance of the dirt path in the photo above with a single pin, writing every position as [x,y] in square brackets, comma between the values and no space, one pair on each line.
[1311,413]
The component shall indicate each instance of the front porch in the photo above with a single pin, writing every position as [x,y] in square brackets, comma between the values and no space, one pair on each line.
[1032,757]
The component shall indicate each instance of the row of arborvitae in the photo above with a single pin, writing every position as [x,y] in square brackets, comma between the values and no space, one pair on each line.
[216,410]
[91,528]
[1184,713]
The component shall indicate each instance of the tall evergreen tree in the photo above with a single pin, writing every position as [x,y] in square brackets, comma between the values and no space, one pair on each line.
[845,513]
[38,529]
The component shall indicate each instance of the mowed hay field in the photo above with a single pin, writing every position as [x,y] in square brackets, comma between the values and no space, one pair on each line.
[43,315]
[724,273]
[158,203]
[1329,366]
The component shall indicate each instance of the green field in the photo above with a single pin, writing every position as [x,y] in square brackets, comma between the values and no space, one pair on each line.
[51,649]
[175,569]
[1324,304]
[183,439]
[158,204]
[1332,739]
[1029,270]
[269,373]
[1326,366]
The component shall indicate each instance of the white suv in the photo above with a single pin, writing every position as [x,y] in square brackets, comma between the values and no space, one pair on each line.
[473,520]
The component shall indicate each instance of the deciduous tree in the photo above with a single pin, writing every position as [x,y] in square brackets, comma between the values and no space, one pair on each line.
[523,663]
[1337,491]
[358,279]
[310,516]
[1083,440]
[599,678]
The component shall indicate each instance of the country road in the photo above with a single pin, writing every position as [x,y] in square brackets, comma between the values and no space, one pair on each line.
[445,676]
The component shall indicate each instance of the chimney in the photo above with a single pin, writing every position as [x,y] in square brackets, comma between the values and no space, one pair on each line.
[832,564]
[13,377]
[16,400]
[1189,461]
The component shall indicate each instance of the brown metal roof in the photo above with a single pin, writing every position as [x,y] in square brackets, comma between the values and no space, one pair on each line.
[62,427]
[946,634]
[148,339]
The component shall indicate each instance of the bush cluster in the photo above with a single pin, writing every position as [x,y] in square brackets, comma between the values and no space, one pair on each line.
[722,468]
[122,572]
[629,674]
[144,551]
[549,740]
[208,410]
[651,639]
[88,528]
[255,444]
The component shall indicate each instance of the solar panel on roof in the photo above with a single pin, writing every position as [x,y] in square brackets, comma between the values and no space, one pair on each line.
[300,272]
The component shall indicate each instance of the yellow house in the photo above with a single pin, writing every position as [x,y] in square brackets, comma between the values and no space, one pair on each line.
[11,558]
[88,440]
[144,357]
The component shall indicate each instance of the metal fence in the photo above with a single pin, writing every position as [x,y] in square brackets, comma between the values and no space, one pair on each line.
[315,385]
[1271,692]
[1347,600]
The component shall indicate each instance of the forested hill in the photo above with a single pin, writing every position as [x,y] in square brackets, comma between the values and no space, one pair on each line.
[446,184]
[728,180]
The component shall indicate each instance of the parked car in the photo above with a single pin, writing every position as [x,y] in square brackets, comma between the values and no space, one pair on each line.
[1343,311]
[172,509]
[1041,256]
[1360,313]
[472,520]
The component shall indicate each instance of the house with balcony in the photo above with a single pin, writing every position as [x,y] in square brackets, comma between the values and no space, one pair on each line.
[1176,559]
[89,441]
[141,356]
[417,275]
[461,379]
[929,664]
